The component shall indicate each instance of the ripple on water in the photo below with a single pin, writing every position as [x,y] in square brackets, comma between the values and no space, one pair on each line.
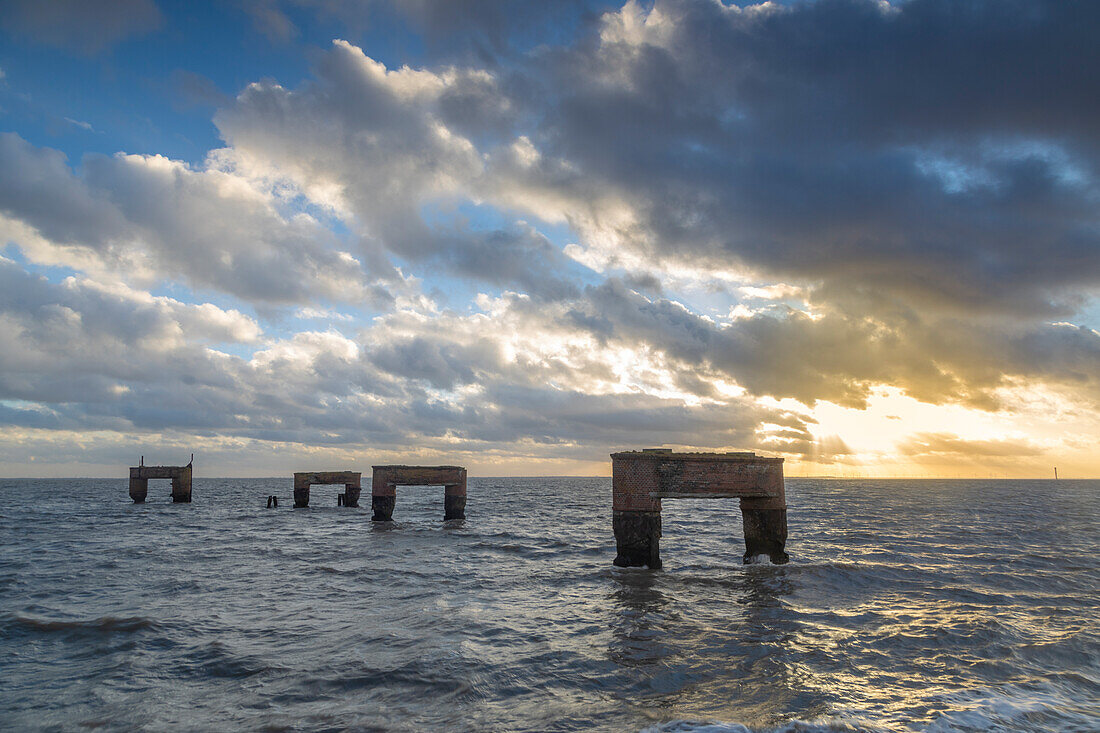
[222,614]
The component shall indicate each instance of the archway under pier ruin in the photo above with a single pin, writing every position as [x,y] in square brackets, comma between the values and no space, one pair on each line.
[352,481]
[180,476]
[386,479]
[640,480]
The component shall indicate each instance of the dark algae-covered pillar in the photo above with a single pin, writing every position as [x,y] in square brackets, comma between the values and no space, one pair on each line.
[636,513]
[180,476]
[765,523]
[641,479]
[352,481]
[386,479]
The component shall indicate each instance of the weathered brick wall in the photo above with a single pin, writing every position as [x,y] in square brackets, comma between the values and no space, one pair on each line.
[749,478]
[632,481]
[637,474]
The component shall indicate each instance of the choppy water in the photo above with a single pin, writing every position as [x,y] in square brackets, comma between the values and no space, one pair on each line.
[908,605]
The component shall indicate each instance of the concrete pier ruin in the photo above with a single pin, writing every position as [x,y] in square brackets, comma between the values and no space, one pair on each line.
[641,479]
[180,476]
[386,479]
[352,481]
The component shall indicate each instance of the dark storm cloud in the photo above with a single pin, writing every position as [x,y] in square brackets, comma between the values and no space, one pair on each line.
[473,30]
[488,28]
[820,142]
[941,154]
[85,26]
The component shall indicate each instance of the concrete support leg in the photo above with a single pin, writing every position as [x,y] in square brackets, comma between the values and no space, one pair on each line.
[301,497]
[351,495]
[382,506]
[765,522]
[181,490]
[637,539]
[139,489]
[454,502]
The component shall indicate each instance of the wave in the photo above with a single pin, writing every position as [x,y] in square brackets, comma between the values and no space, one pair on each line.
[105,624]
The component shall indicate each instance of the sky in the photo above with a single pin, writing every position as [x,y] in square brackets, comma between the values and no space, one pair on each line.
[292,235]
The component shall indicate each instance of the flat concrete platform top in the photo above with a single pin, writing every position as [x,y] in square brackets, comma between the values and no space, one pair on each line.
[453,468]
[158,471]
[667,454]
[319,477]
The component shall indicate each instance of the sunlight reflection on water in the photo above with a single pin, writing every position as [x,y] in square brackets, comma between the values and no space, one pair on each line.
[908,605]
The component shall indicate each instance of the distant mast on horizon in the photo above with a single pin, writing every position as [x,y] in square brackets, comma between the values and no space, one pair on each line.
[1055,473]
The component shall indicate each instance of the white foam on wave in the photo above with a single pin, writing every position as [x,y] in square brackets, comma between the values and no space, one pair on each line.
[1012,706]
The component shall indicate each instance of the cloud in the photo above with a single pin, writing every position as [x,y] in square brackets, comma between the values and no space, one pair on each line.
[796,142]
[76,343]
[269,20]
[381,146]
[486,31]
[85,354]
[699,135]
[80,123]
[195,90]
[84,26]
[150,218]
[950,445]
[839,357]
[765,207]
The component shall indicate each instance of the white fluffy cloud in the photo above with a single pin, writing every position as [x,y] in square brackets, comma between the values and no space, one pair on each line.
[153,219]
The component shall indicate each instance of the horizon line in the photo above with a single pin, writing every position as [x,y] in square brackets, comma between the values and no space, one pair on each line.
[569,475]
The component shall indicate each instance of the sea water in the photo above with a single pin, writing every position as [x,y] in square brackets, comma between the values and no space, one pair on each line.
[907,606]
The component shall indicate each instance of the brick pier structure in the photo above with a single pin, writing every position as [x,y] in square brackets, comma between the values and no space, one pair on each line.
[386,479]
[641,479]
[180,475]
[352,481]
